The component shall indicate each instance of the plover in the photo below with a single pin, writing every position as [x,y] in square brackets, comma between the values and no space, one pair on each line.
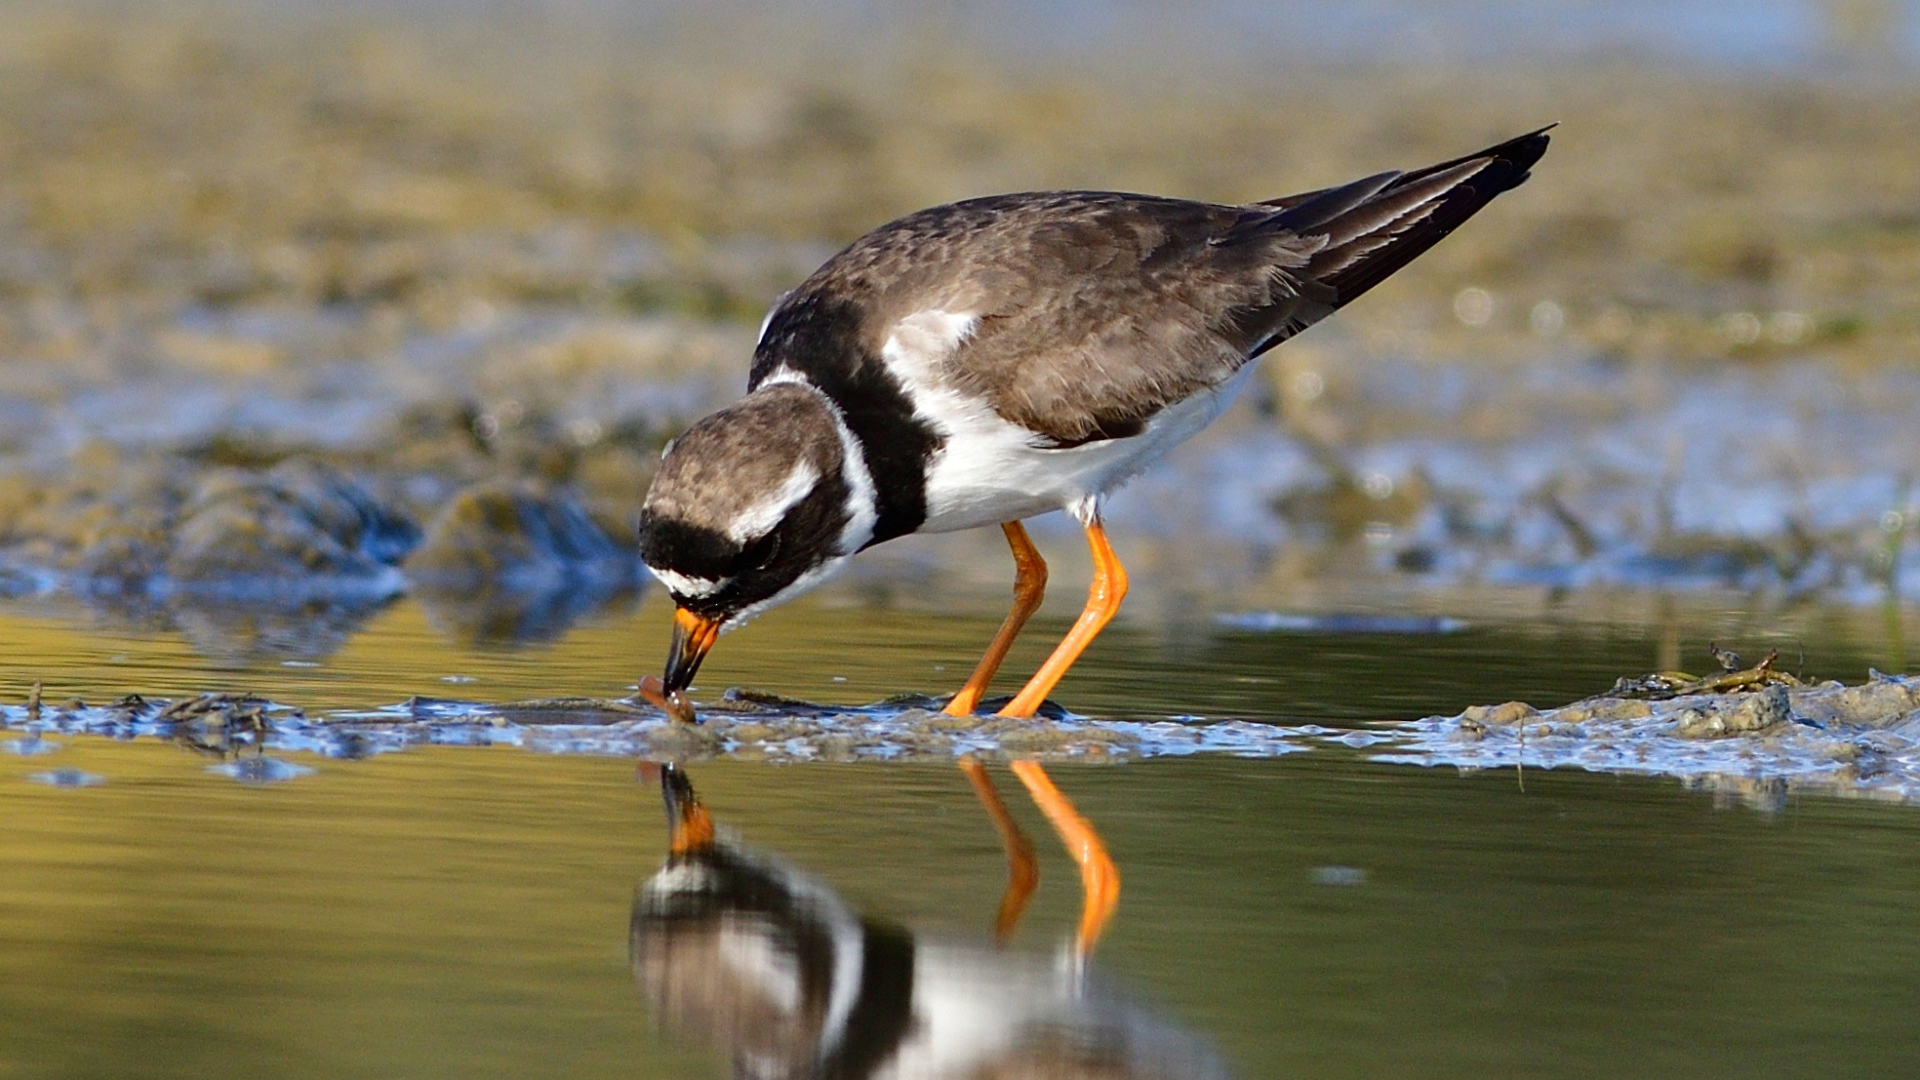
[989,360]
[737,948]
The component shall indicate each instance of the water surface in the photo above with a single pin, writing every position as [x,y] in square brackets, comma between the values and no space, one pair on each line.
[465,911]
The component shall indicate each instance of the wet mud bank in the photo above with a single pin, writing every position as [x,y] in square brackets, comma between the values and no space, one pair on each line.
[323,310]
[119,528]
[1758,741]
[1566,472]
[1758,744]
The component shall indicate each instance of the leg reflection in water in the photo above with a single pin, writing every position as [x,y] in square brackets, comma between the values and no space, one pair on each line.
[734,947]
[1099,878]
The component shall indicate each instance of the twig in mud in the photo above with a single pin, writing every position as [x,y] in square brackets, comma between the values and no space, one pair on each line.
[187,708]
[1663,685]
[1520,763]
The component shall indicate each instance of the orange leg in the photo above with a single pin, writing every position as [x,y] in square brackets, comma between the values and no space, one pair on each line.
[1023,870]
[1099,879]
[1103,599]
[1029,586]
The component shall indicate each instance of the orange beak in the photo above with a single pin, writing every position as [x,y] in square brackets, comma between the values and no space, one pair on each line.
[689,826]
[693,635]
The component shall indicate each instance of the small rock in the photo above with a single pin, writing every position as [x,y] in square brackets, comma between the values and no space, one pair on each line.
[1879,703]
[298,520]
[520,535]
[68,778]
[675,741]
[1513,712]
[1622,709]
[261,769]
[1751,712]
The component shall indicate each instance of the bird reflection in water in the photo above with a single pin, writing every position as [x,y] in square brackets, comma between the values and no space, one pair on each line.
[736,948]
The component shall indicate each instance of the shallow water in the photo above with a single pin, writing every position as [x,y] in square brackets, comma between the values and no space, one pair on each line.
[1337,656]
[465,910]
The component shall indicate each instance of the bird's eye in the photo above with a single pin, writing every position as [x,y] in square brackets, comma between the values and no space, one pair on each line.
[760,552]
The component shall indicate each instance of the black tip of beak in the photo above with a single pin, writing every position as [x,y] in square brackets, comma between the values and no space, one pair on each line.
[693,635]
[682,663]
[675,790]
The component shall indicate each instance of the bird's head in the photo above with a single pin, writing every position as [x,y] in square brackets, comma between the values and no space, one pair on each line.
[752,506]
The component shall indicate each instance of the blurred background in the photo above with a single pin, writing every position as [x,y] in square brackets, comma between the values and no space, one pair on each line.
[347,299]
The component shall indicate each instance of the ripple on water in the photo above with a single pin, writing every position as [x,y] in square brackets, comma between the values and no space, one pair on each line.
[261,769]
[68,778]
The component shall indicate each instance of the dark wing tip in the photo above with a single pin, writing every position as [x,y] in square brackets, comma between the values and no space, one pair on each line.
[1508,161]
[1365,253]
[1519,152]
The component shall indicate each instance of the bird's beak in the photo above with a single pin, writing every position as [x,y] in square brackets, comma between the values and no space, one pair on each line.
[693,635]
[689,826]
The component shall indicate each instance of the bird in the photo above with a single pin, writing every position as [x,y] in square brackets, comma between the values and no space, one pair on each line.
[738,948]
[986,361]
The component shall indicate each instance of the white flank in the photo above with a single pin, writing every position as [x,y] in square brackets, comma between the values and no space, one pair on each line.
[759,519]
[927,338]
[990,471]
[684,584]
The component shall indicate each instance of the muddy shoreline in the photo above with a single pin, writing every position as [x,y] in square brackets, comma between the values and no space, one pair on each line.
[306,312]
[1759,742]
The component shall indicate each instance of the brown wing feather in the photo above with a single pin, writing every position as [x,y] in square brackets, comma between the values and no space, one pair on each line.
[1081,356]
[1096,310]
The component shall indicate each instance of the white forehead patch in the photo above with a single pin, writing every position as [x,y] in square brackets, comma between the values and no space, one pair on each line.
[685,584]
[759,519]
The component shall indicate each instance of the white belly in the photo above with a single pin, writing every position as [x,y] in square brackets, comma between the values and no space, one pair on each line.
[989,471]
